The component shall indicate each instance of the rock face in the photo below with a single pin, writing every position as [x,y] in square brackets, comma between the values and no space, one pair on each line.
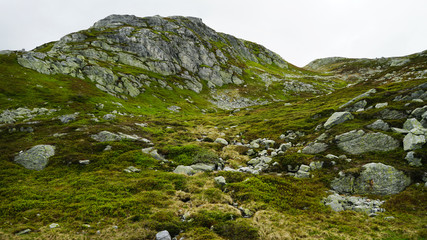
[158,48]
[36,158]
[375,178]
[337,118]
[357,142]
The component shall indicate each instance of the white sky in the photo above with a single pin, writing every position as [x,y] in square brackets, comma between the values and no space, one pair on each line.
[298,30]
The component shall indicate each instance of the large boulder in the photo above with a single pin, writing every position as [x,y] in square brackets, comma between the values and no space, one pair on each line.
[357,142]
[375,178]
[337,118]
[187,170]
[36,158]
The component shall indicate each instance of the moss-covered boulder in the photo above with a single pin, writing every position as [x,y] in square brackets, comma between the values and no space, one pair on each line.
[357,142]
[36,158]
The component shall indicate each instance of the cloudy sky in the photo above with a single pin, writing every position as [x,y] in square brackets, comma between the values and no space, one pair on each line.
[298,30]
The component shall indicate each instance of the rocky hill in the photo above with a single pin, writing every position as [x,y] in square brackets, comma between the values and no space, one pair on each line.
[161,128]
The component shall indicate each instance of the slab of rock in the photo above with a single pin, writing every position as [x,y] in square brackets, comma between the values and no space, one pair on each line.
[315,148]
[68,118]
[337,118]
[381,105]
[392,114]
[36,158]
[357,142]
[203,167]
[413,141]
[375,178]
[379,125]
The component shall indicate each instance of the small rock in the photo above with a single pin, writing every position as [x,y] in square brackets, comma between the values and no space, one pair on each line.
[187,170]
[108,148]
[412,160]
[54,225]
[411,124]
[221,141]
[131,169]
[399,130]
[412,141]
[220,180]
[316,165]
[331,156]
[389,218]
[381,105]
[337,118]
[163,235]
[379,125]
[315,148]
[68,118]
[23,232]
[109,117]
[84,162]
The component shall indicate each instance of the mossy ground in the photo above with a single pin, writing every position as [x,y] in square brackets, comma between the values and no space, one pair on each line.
[140,204]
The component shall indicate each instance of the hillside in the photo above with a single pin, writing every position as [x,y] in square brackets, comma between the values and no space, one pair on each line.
[139,125]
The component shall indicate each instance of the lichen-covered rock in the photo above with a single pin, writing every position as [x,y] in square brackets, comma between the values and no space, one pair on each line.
[163,235]
[337,118]
[106,136]
[221,141]
[412,160]
[374,178]
[220,180]
[357,142]
[36,158]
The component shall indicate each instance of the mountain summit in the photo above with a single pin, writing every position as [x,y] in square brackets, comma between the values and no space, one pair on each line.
[125,54]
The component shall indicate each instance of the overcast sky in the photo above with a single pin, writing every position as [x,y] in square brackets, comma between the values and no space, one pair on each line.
[298,30]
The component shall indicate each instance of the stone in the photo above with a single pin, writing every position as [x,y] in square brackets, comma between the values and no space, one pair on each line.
[399,130]
[381,105]
[412,160]
[25,231]
[68,118]
[36,158]
[413,142]
[374,178]
[358,142]
[358,106]
[337,118]
[221,141]
[392,114]
[379,125]
[153,152]
[131,169]
[302,174]
[304,168]
[109,117]
[203,167]
[331,156]
[54,225]
[419,112]
[84,162]
[163,235]
[106,136]
[363,95]
[220,180]
[174,108]
[187,170]
[285,146]
[411,124]
[316,165]
[315,148]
